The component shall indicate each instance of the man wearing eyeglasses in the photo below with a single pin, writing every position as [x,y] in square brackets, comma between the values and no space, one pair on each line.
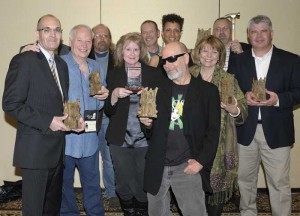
[62,49]
[184,137]
[222,29]
[102,52]
[34,98]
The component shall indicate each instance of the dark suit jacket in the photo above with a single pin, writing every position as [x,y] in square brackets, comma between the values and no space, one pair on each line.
[245,47]
[32,97]
[283,78]
[201,127]
[118,114]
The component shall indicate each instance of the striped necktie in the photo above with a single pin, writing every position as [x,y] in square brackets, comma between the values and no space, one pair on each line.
[53,71]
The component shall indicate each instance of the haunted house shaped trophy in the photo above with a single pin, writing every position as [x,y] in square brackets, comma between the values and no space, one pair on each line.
[259,89]
[72,109]
[227,91]
[95,83]
[148,103]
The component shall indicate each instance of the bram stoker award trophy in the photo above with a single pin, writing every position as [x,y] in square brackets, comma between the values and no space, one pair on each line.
[226,91]
[134,79]
[95,83]
[259,89]
[148,104]
[73,111]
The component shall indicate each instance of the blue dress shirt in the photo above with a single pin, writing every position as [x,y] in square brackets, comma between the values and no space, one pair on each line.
[84,144]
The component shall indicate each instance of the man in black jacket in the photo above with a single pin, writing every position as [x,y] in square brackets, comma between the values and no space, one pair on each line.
[268,133]
[184,137]
[222,29]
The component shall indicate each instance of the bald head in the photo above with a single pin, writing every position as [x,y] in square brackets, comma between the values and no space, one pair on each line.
[173,48]
[175,61]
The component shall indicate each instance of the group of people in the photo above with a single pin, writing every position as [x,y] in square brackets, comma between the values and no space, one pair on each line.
[201,147]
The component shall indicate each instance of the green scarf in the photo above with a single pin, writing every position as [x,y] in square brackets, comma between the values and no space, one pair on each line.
[223,177]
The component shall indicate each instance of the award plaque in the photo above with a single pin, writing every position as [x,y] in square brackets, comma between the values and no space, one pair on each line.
[259,89]
[95,83]
[134,79]
[148,104]
[73,111]
[227,91]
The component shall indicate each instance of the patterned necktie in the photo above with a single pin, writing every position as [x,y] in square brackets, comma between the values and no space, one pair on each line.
[53,71]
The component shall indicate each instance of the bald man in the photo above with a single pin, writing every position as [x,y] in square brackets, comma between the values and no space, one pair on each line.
[183,143]
[34,98]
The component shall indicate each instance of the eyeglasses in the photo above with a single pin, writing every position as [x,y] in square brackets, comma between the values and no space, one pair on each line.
[171,59]
[48,30]
[104,36]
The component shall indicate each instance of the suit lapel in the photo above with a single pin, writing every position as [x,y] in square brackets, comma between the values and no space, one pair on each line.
[62,76]
[46,69]
[191,94]
[166,91]
[250,65]
[273,67]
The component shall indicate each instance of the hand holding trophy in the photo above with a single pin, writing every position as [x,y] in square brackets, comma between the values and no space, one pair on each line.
[134,79]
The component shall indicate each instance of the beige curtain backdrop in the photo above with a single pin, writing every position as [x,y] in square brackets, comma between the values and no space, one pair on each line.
[18,22]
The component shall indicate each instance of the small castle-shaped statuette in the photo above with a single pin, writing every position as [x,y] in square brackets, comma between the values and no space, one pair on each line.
[73,111]
[259,89]
[148,104]
[95,83]
[227,91]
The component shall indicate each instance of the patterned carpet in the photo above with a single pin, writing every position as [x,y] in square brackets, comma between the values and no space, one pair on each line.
[13,208]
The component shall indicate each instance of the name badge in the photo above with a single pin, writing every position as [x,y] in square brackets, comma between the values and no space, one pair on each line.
[90,120]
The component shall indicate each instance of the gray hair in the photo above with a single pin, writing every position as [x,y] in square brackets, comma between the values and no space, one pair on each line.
[75,28]
[260,19]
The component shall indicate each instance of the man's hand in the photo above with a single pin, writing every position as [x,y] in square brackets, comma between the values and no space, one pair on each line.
[193,167]
[236,47]
[272,101]
[81,126]
[57,123]
[146,121]
[31,47]
[250,99]
[102,94]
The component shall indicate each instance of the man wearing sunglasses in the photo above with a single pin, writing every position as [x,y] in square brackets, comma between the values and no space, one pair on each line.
[184,137]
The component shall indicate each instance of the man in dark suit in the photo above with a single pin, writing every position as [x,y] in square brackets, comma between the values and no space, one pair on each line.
[268,133]
[184,137]
[34,94]
[222,29]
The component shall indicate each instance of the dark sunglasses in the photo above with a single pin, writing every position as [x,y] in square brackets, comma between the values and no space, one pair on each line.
[171,59]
